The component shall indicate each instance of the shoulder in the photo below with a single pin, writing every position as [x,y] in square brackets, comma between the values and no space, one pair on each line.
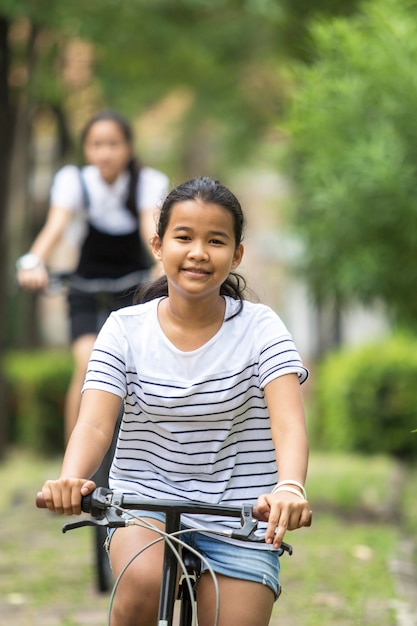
[66,189]
[153,187]
[123,326]
[274,343]
[258,323]
[151,176]
[255,313]
[67,174]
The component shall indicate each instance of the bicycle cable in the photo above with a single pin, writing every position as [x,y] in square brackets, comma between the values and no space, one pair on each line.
[170,539]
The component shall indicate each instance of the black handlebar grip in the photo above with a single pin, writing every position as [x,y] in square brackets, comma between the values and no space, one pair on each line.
[86,502]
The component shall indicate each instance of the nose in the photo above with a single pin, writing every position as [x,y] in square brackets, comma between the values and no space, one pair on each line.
[105,152]
[198,250]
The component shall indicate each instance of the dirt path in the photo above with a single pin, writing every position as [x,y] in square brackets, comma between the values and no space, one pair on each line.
[47,578]
[403,568]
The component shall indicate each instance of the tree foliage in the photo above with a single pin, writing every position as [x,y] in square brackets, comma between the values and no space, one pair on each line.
[224,53]
[353,157]
[227,53]
[297,15]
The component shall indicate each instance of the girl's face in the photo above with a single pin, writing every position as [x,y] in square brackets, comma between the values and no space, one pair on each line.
[106,147]
[198,249]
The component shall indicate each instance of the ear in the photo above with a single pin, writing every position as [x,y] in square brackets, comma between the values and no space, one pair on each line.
[156,246]
[237,258]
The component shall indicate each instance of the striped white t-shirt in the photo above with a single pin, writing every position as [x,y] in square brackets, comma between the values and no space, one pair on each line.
[195,424]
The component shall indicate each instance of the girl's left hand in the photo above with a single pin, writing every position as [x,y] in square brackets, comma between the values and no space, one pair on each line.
[283,511]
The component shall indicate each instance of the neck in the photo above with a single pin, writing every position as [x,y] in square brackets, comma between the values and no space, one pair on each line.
[190,312]
[190,325]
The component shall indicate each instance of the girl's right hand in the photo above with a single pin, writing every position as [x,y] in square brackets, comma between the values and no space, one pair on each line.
[64,495]
[33,280]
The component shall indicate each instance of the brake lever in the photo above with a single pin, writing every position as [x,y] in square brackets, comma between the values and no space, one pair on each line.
[111,519]
[249,526]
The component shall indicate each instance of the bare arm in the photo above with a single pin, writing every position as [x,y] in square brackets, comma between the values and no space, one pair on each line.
[286,510]
[89,442]
[56,223]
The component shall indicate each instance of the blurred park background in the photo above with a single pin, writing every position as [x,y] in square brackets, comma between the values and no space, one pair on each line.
[306,109]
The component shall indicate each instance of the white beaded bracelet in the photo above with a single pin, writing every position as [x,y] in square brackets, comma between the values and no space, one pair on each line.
[281,483]
[290,489]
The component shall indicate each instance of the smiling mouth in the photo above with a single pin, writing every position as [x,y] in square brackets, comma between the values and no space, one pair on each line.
[195,270]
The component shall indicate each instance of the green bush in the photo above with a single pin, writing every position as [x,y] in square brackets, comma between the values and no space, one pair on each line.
[353,157]
[36,389]
[366,399]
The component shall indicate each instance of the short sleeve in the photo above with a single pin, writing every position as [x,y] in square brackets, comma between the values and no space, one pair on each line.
[278,358]
[66,190]
[278,354]
[152,189]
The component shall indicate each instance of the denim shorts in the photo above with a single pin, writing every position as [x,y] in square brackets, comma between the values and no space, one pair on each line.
[235,561]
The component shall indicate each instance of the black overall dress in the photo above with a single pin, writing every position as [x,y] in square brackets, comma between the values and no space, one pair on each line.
[109,270]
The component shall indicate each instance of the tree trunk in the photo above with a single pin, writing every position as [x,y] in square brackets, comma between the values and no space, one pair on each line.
[22,222]
[5,150]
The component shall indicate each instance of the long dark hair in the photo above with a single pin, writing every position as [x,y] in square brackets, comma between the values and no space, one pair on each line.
[133,166]
[211,192]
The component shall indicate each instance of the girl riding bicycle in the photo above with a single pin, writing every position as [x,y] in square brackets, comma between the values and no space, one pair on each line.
[114,198]
[212,412]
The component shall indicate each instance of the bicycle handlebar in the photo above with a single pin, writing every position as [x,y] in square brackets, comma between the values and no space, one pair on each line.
[101,499]
[101,503]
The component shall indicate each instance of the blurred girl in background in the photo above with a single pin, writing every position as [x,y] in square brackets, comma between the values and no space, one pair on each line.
[116,197]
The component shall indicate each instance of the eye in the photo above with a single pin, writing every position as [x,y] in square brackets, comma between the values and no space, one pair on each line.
[217,242]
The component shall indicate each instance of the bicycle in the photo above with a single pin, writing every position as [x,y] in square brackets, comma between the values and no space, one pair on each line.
[106,508]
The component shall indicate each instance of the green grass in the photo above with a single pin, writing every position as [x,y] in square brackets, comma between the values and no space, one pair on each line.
[46,577]
[355,483]
[339,574]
